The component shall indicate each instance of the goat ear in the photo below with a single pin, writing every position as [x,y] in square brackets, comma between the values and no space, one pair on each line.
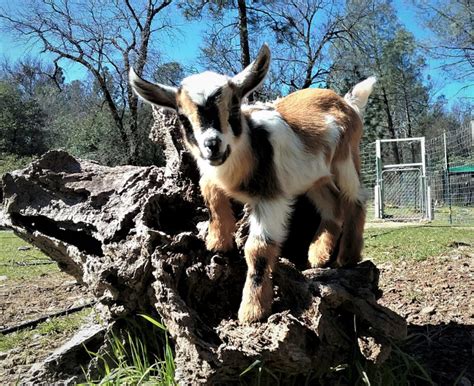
[157,94]
[254,74]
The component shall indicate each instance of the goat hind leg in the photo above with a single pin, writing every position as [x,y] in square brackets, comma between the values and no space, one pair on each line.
[352,240]
[353,199]
[326,200]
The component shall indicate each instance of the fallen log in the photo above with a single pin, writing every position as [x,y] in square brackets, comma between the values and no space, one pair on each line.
[134,236]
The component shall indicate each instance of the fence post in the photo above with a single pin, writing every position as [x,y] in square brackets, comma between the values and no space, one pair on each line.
[447,177]
[377,213]
[378,202]
[424,181]
[430,204]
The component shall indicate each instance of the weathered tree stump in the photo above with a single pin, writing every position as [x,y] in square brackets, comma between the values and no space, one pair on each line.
[134,236]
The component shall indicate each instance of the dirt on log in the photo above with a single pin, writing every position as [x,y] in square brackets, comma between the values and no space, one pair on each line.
[134,236]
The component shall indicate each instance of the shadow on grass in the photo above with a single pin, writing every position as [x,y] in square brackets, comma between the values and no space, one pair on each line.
[444,349]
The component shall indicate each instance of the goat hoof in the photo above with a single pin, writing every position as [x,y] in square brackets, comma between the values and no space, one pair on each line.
[250,313]
[344,260]
[218,244]
[317,264]
[318,257]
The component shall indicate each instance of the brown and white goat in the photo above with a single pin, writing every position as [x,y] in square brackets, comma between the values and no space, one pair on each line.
[267,155]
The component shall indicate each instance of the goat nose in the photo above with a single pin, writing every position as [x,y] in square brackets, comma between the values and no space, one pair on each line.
[213,144]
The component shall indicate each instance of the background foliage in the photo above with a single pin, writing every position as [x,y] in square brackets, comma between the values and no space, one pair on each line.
[322,43]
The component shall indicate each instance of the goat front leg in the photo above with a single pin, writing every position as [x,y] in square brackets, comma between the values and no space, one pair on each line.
[268,228]
[326,199]
[220,235]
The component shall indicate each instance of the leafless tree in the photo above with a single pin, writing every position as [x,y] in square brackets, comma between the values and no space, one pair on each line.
[300,31]
[105,37]
[452,40]
[305,30]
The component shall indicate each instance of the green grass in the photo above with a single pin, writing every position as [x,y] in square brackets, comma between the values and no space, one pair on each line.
[45,332]
[460,215]
[10,162]
[401,368]
[139,353]
[414,242]
[17,264]
[129,361]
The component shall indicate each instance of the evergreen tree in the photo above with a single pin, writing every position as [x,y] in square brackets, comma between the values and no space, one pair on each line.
[22,123]
[381,46]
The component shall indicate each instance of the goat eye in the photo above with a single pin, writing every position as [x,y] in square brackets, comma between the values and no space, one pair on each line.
[184,121]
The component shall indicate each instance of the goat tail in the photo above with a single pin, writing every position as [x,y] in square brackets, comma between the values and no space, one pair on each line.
[357,97]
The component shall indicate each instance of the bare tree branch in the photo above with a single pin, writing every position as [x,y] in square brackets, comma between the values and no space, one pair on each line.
[103,42]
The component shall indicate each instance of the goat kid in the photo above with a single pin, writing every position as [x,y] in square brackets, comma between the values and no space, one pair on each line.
[267,155]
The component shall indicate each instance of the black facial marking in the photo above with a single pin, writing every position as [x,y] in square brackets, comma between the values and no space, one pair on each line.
[235,119]
[263,181]
[209,113]
[260,268]
[187,129]
[214,97]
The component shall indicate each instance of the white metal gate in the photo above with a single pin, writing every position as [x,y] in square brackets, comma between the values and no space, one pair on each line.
[401,192]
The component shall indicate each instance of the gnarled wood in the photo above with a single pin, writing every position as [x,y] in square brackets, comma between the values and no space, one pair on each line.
[131,235]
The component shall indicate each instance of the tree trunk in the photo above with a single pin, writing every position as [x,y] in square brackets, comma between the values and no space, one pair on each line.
[244,39]
[409,122]
[134,236]
[391,127]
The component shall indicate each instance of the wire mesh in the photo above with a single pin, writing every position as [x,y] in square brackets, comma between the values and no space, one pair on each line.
[402,195]
[368,175]
[450,172]
[449,175]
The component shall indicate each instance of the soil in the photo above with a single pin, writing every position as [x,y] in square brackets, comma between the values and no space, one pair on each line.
[436,298]
[434,295]
[22,300]
[30,299]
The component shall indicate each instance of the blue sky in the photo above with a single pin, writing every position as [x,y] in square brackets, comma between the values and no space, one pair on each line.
[183,47]
[451,89]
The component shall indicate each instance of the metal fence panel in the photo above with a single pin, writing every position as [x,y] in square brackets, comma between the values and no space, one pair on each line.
[402,195]
[449,177]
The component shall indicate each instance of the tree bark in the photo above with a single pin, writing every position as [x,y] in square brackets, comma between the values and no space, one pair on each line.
[391,127]
[134,236]
[244,38]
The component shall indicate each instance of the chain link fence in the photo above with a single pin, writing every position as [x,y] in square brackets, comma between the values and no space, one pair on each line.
[368,175]
[450,172]
[449,178]
[402,195]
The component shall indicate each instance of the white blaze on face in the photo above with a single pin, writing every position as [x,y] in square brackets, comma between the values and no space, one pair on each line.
[200,88]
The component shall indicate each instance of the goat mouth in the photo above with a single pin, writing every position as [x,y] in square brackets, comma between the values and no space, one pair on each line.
[219,159]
